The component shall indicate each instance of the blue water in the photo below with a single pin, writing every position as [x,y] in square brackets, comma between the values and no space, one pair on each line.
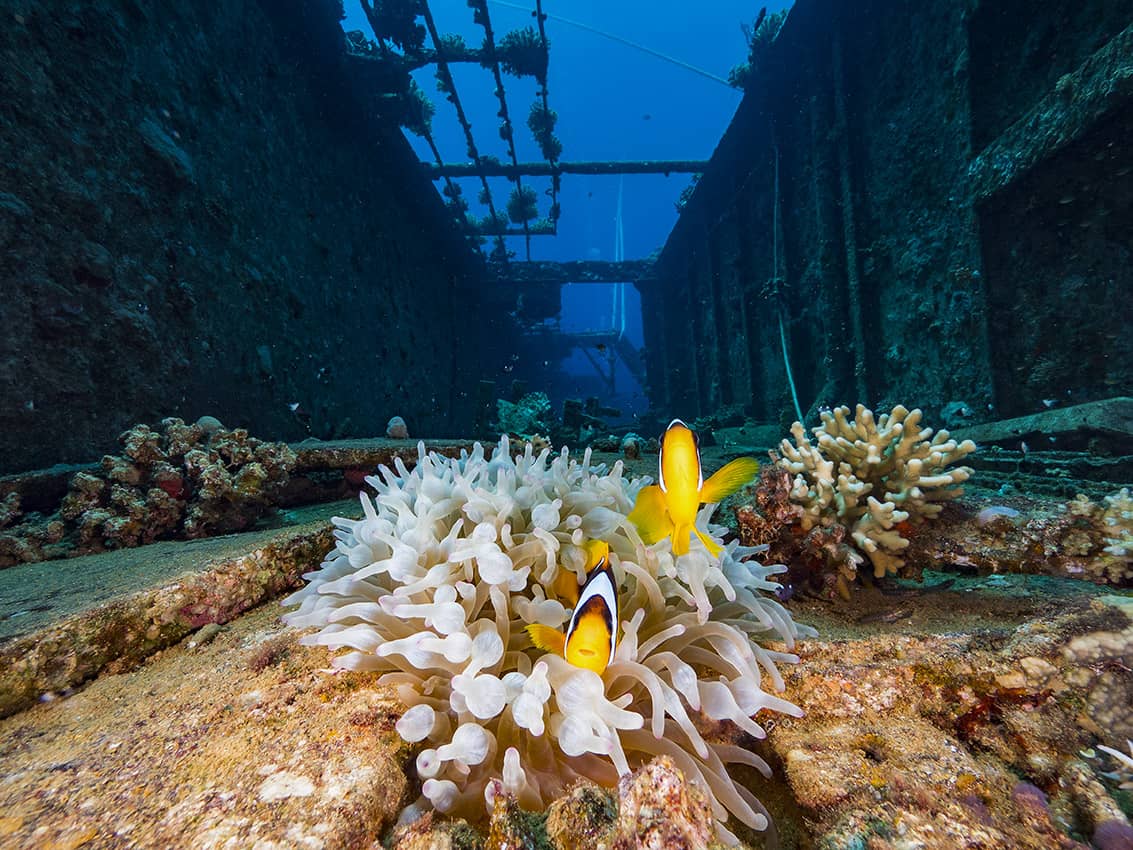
[614,102]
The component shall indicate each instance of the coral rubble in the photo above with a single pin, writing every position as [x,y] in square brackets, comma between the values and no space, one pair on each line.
[1079,539]
[433,588]
[179,480]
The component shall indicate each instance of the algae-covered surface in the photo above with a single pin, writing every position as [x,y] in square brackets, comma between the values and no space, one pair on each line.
[33,596]
[954,734]
[156,700]
[928,724]
[68,621]
[241,740]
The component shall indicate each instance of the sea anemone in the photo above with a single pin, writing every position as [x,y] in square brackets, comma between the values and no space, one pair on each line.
[433,588]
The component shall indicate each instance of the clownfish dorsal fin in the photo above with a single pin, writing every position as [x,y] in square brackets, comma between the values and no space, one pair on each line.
[596,551]
[566,587]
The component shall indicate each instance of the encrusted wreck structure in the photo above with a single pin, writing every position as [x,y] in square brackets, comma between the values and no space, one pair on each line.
[917,202]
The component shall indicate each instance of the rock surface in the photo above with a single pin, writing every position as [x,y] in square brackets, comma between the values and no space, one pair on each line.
[923,733]
[63,623]
[242,742]
[961,709]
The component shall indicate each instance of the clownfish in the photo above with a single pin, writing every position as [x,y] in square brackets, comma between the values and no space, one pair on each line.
[669,507]
[592,633]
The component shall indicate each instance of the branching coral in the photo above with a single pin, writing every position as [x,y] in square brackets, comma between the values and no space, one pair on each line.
[433,588]
[541,122]
[759,36]
[396,20]
[872,477]
[522,205]
[416,110]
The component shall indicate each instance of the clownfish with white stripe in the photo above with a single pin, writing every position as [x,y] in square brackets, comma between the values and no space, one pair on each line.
[592,633]
[668,508]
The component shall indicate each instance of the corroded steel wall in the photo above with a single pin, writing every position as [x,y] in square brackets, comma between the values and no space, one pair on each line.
[201,214]
[952,226]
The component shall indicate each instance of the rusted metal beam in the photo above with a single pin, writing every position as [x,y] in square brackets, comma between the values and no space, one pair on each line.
[574,271]
[537,169]
[506,130]
[445,75]
[535,228]
[1106,416]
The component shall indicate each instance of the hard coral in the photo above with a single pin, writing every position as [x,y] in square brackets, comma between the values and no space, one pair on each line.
[25,538]
[1116,562]
[1084,540]
[179,480]
[873,477]
[433,588]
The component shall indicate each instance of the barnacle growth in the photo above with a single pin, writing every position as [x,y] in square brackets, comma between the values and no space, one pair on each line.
[433,588]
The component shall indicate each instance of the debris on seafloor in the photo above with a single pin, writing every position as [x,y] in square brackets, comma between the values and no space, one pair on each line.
[176,481]
[396,429]
[530,414]
[585,422]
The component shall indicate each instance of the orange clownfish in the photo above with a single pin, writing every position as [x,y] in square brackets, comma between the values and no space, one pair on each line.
[592,633]
[669,507]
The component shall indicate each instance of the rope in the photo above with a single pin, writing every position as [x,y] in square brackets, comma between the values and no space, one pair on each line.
[778,292]
[658,54]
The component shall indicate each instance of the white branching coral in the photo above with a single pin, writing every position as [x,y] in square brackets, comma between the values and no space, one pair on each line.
[433,588]
[872,475]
